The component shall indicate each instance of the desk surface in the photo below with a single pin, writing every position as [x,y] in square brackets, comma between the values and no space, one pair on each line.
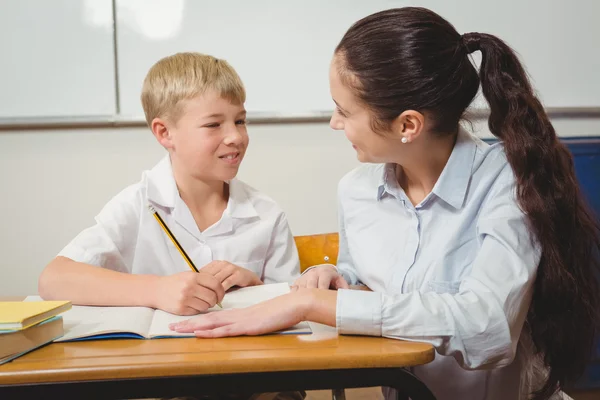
[137,358]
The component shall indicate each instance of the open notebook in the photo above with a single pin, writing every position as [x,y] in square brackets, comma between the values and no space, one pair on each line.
[86,323]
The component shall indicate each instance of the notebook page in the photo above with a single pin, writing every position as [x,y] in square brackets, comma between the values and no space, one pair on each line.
[85,321]
[160,325]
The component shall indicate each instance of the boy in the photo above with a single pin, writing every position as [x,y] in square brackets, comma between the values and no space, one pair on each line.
[236,236]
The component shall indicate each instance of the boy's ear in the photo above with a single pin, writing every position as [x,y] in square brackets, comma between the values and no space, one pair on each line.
[161,132]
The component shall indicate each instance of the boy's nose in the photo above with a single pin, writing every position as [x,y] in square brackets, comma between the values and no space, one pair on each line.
[336,123]
[233,136]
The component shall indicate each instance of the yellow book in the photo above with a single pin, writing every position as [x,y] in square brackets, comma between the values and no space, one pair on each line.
[17,315]
[14,344]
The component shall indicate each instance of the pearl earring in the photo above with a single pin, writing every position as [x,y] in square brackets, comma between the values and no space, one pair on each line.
[404,140]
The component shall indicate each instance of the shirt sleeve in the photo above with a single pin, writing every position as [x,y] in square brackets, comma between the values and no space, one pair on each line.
[481,323]
[110,243]
[282,263]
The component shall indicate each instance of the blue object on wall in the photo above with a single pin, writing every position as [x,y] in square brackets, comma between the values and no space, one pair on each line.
[586,155]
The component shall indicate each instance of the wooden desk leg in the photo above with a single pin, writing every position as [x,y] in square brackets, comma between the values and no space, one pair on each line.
[408,386]
[400,396]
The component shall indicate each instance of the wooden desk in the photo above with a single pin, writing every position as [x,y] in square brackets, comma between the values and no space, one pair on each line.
[120,369]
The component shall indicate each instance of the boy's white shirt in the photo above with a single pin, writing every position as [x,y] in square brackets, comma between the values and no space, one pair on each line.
[252,233]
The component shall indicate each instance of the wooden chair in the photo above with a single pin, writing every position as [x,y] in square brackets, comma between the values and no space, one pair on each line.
[317,249]
[314,250]
[323,249]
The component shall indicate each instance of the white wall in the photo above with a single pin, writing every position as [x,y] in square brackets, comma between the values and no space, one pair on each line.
[55,181]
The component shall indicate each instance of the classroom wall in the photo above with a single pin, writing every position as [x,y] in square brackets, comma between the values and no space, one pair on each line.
[54,181]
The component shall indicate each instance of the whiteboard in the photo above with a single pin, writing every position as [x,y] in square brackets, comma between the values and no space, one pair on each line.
[63,58]
[282,49]
[557,41]
[57,58]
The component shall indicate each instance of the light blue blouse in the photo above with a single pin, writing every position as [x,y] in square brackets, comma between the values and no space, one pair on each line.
[455,270]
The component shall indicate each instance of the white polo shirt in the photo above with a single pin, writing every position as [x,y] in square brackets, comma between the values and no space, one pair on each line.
[252,233]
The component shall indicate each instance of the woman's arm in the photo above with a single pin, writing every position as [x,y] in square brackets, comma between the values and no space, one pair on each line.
[316,305]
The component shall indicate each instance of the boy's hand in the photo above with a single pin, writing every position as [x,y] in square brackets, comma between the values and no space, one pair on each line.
[322,277]
[230,275]
[188,293]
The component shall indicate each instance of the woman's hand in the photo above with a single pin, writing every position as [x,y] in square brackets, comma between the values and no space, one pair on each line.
[270,316]
[322,277]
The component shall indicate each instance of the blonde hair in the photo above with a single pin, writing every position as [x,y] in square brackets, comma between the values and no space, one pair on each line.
[183,76]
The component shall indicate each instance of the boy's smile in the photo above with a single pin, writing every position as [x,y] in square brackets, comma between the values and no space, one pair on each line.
[232,158]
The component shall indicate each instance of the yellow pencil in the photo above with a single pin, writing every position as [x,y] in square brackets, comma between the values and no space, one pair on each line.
[175,242]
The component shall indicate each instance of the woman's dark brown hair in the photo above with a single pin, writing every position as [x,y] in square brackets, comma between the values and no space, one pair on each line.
[411,58]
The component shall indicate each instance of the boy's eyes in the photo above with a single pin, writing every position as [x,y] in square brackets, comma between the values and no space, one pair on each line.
[218,124]
[337,109]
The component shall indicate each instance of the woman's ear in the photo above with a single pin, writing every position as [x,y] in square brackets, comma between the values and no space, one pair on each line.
[408,126]
[161,132]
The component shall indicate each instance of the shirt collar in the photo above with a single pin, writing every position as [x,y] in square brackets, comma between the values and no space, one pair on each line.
[387,181]
[239,204]
[238,207]
[162,190]
[453,182]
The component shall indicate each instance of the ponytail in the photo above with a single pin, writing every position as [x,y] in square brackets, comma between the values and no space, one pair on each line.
[563,315]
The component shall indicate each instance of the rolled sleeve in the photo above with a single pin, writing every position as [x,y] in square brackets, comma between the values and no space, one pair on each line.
[75,252]
[359,312]
[94,246]
[111,242]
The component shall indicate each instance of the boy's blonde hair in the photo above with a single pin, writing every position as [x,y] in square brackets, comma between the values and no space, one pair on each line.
[183,76]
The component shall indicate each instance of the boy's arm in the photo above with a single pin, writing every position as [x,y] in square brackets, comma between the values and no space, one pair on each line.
[185,293]
[87,284]
[96,267]
[282,263]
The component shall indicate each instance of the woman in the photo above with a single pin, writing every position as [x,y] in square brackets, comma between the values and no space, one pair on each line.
[486,252]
